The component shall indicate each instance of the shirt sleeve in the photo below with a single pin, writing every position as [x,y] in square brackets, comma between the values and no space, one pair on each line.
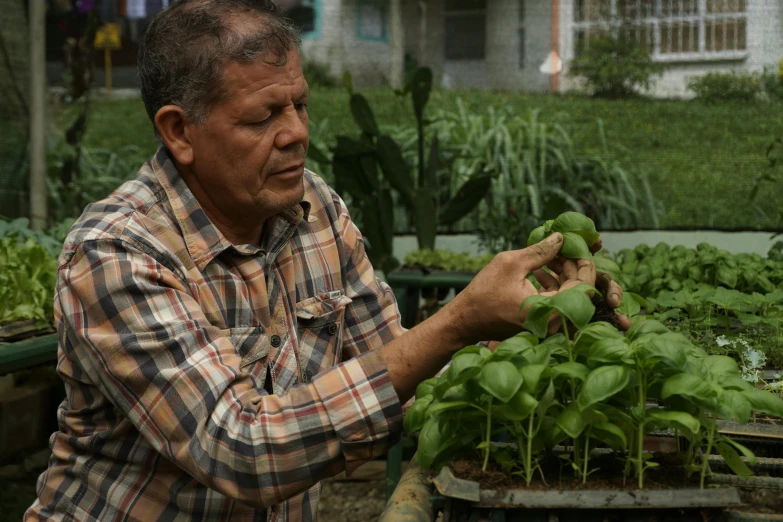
[373,317]
[135,328]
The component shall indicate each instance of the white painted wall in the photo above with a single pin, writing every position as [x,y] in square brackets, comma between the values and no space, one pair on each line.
[764,48]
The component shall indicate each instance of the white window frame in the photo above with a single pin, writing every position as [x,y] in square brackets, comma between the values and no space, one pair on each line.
[657,20]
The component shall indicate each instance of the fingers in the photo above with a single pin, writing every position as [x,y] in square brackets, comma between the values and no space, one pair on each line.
[612,291]
[548,281]
[576,272]
[625,323]
[597,246]
[538,255]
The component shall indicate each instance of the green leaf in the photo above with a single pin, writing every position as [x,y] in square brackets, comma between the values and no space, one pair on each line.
[417,414]
[438,407]
[732,458]
[421,85]
[531,376]
[575,305]
[467,197]
[574,222]
[537,318]
[630,305]
[575,247]
[500,379]
[536,236]
[641,327]
[720,366]
[742,449]
[425,387]
[316,154]
[687,385]
[432,441]
[464,367]
[727,276]
[670,348]
[676,420]
[571,369]
[611,350]
[602,383]
[394,167]
[521,405]
[733,405]
[609,433]
[426,218]
[546,399]
[593,332]
[764,402]
[511,347]
[571,421]
[363,115]
[604,265]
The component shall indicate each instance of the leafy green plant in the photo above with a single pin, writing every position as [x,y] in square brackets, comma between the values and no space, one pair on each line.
[595,388]
[447,260]
[28,273]
[373,167]
[719,87]
[615,65]
[538,171]
[578,232]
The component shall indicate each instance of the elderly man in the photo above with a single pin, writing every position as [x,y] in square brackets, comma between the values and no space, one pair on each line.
[224,342]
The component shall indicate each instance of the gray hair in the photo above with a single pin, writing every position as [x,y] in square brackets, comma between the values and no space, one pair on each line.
[183,51]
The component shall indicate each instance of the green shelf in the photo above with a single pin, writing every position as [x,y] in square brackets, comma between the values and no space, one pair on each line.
[28,353]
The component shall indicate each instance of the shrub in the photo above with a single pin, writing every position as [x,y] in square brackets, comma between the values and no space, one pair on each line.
[537,173]
[615,65]
[719,87]
[772,83]
[318,74]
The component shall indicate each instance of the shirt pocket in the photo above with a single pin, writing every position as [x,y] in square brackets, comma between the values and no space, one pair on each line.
[320,322]
[253,345]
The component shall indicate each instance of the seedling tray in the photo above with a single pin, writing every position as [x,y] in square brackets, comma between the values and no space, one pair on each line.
[452,487]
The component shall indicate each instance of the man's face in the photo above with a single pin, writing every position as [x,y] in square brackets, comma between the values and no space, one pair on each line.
[249,154]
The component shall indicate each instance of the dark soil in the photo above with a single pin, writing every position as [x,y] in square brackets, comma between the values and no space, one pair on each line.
[348,501]
[603,312]
[670,475]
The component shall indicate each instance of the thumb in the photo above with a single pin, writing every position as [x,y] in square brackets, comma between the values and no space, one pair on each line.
[536,256]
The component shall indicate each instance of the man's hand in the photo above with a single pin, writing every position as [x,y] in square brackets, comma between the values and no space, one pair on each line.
[489,307]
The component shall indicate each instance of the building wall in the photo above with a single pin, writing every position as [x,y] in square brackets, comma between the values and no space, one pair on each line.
[340,46]
[764,49]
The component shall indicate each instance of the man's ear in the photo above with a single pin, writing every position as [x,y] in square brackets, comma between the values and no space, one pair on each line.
[171,123]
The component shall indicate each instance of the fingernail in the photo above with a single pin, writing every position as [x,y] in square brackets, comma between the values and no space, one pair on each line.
[615,298]
[557,237]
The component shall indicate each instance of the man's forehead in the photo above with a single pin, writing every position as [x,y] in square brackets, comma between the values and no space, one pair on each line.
[261,79]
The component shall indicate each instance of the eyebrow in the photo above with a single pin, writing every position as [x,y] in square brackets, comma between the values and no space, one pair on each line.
[304,94]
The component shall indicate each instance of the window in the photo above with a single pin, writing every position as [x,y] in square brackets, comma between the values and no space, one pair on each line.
[372,20]
[672,29]
[465,29]
[304,14]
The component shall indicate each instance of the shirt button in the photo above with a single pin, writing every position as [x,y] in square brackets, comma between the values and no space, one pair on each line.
[276,340]
[332,329]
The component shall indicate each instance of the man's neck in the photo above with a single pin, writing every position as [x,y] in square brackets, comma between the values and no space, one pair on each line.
[247,232]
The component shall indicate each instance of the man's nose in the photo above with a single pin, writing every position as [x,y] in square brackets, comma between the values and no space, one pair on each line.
[293,128]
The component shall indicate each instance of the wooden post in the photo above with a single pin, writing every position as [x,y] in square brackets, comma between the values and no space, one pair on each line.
[553,79]
[107,70]
[38,211]
[396,47]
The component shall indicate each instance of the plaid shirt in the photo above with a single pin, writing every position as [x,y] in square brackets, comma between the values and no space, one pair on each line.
[171,340]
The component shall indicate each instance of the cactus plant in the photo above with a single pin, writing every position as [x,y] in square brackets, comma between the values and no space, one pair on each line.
[356,164]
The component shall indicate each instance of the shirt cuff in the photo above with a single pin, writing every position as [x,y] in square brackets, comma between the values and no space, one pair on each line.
[363,407]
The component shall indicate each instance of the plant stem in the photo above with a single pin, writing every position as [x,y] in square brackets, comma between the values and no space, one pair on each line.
[577,456]
[529,456]
[489,434]
[640,441]
[587,455]
[568,339]
[706,456]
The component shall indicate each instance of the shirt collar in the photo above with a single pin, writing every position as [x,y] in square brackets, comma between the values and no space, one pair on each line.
[203,239]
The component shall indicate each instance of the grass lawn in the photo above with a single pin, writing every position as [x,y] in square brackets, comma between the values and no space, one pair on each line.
[701,160]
